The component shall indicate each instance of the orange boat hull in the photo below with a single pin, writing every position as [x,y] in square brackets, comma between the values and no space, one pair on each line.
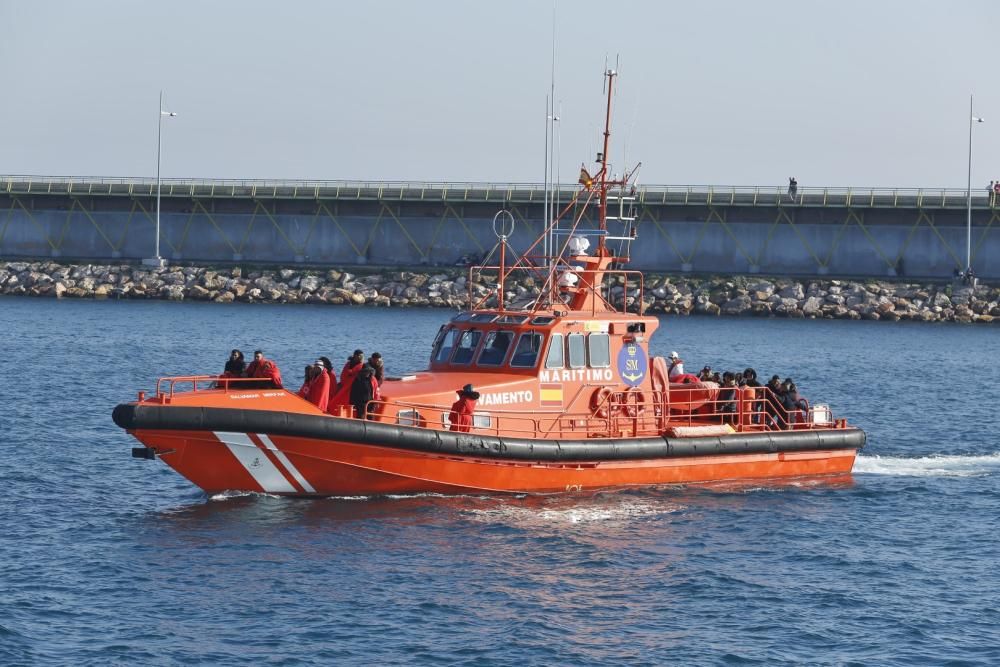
[296,466]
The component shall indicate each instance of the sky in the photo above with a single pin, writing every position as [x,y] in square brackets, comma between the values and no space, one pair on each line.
[845,93]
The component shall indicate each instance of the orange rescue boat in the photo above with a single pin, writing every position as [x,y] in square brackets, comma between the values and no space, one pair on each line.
[570,399]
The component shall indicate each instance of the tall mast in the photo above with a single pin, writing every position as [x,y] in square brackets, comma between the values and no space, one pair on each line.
[603,206]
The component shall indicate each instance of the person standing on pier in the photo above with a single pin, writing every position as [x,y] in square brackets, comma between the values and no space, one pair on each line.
[793,187]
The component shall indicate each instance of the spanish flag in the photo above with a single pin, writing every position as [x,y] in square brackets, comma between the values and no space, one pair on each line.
[551,395]
[586,180]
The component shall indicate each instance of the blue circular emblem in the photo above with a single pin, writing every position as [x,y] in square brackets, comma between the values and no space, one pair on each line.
[632,364]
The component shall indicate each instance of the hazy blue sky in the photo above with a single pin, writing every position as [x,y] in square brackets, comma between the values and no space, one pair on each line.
[741,93]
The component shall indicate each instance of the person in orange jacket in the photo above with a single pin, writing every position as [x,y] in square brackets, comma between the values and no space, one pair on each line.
[265,369]
[462,409]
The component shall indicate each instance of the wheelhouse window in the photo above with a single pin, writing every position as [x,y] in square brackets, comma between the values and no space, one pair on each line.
[555,358]
[512,319]
[446,343]
[577,350]
[527,349]
[495,348]
[466,346]
[599,350]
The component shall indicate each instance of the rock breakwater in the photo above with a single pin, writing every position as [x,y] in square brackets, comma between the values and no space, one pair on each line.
[683,295]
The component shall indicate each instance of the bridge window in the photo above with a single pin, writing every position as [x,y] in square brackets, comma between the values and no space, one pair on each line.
[527,349]
[555,356]
[577,350]
[495,348]
[446,343]
[599,350]
[512,319]
[466,346]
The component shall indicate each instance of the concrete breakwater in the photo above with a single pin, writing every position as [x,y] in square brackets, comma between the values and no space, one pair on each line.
[731,296]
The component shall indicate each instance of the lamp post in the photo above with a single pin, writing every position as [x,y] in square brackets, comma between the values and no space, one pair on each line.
[156,260]
[968,196]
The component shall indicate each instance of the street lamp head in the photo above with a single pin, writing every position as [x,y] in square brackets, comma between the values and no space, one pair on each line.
[977,119]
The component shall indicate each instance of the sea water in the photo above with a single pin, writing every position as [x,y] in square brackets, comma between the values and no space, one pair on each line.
[111,560]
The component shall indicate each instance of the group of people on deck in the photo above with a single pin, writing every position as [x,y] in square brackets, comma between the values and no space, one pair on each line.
[778,406]
[264,370]
[360,380]
[360,384]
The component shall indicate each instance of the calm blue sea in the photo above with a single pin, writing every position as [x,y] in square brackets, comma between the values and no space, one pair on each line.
[110,560]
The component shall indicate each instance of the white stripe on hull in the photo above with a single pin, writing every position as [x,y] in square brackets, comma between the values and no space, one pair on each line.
[256,462]
[288,464]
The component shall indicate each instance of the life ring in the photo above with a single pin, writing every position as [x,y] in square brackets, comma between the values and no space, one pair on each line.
[599,402]
[633,409]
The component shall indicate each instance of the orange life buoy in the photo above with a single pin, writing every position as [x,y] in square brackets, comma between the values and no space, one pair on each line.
[599,402]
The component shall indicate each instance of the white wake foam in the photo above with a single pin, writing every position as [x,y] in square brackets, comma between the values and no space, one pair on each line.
[574,514]
[928,466]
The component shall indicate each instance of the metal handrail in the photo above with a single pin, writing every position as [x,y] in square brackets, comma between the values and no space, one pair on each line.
[632,413]
[717,195]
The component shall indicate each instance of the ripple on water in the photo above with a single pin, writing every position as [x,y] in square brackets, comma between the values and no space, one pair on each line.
[110,560]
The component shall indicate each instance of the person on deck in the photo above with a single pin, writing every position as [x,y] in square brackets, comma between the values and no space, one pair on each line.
[750,391]
[791,402]
[676,367]
[378,367]
[361,392]
[328,367]
[773,407]
[306,377]
[376,393]
[462,409]
[354,364]
[235,365]
[727,398]
[265,369]
[316,390]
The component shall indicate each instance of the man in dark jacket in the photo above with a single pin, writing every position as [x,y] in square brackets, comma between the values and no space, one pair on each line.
[773,405]
[361,391]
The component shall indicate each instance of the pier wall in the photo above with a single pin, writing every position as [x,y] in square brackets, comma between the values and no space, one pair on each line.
[846,232]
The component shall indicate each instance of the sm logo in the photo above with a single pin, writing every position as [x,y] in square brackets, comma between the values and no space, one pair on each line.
[632,364]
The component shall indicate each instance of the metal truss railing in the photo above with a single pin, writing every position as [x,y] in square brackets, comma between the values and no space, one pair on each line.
[649,195]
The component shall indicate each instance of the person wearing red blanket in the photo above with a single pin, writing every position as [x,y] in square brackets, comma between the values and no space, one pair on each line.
[462,409]
[316,389]
[350,371]
[265,369]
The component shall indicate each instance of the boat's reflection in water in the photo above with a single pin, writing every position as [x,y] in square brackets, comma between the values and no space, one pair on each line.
[618,505]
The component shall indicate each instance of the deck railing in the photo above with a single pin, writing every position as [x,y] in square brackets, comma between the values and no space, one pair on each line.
[693,194]
[631,413]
